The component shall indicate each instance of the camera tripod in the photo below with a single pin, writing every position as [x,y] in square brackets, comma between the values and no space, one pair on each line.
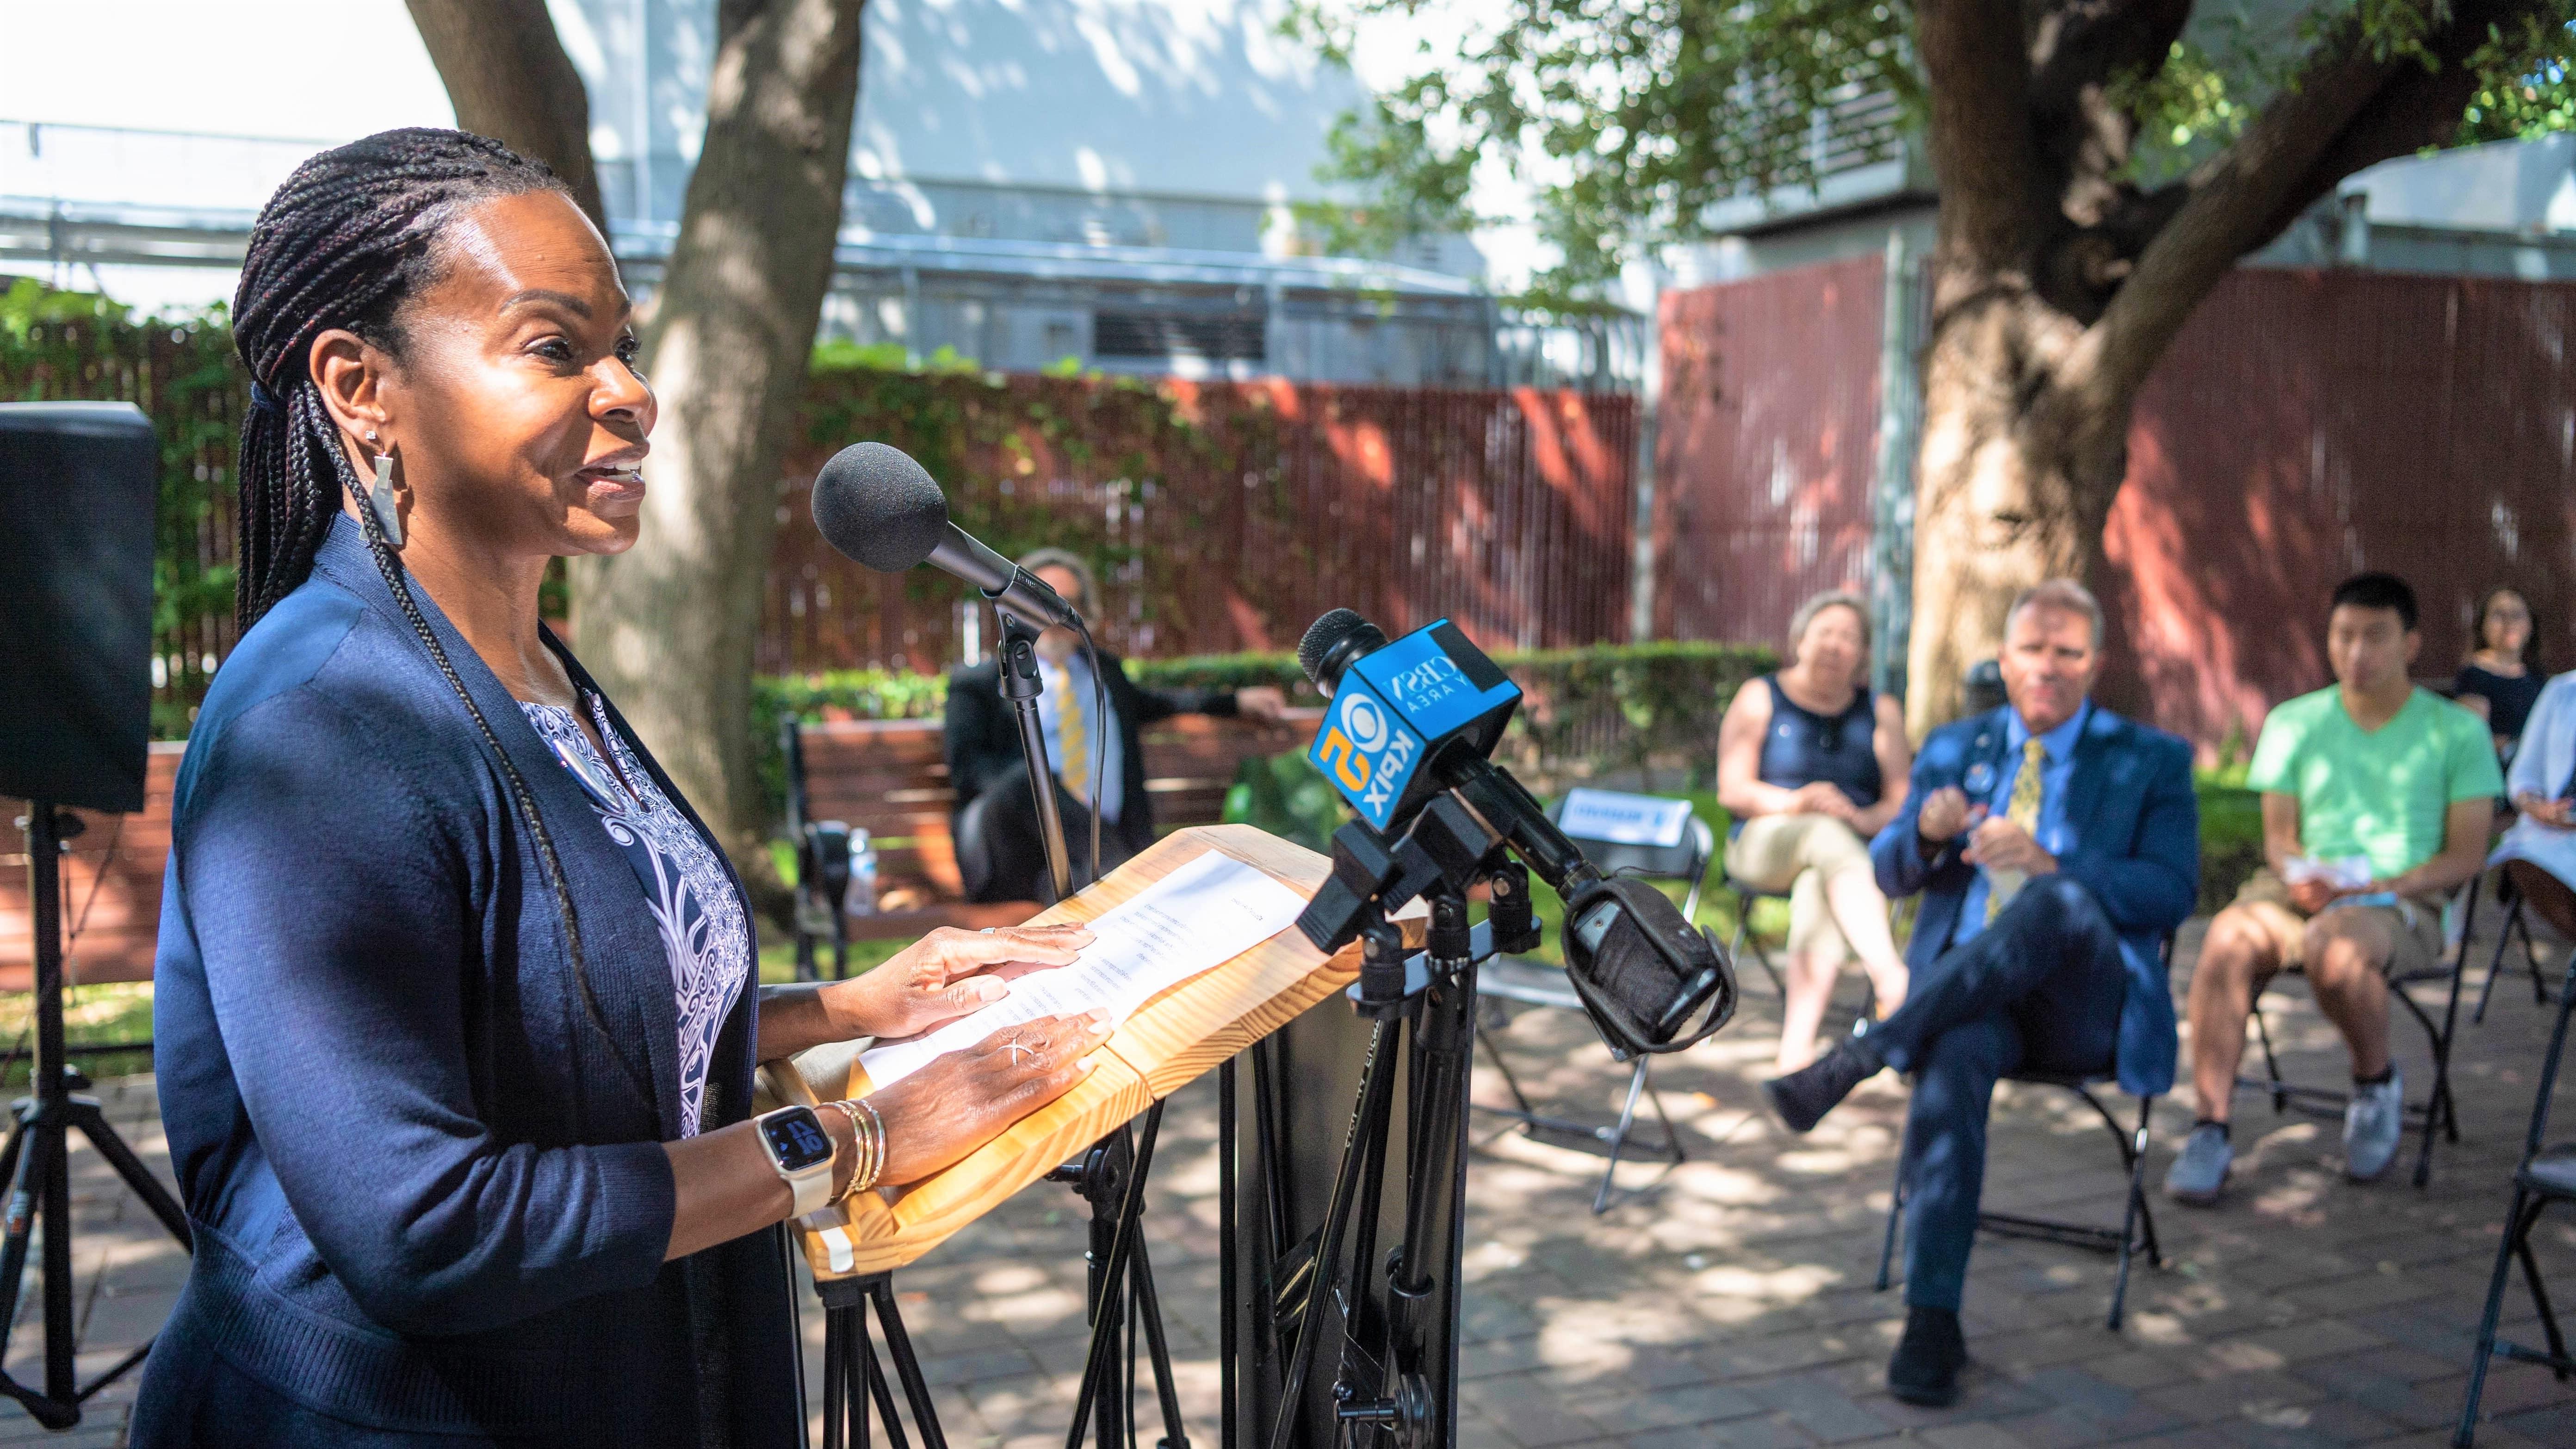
[1396,1327]
[34,1160]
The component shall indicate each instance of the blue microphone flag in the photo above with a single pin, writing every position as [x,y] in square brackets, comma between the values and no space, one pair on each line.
[1397,706]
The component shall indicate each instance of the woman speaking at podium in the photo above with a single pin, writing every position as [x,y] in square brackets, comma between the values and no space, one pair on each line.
[457,1002]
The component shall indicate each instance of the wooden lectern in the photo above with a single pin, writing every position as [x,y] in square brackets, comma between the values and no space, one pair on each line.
[1163,1046]
[1199,1024]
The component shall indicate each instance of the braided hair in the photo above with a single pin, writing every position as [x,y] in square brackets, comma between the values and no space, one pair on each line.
[345,243]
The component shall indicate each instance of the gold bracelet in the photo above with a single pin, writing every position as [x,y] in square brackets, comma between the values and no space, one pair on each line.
[858,1149]
[877,1159]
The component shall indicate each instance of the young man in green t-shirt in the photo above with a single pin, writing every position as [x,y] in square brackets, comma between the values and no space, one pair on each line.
[2377,801]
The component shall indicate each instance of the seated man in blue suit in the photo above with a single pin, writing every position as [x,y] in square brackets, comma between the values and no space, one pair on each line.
[2055,844]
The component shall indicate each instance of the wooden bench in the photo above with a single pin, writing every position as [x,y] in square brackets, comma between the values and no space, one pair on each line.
[888,777]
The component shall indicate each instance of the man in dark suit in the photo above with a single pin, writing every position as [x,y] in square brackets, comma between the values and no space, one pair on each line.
[1000,856]
[2055,845]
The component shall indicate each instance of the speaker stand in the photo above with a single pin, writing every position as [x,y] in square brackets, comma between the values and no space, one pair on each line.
[34,1159]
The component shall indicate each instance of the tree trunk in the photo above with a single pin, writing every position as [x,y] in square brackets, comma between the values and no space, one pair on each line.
[2058,284]
[508,77]
[2014,481]
[670,626]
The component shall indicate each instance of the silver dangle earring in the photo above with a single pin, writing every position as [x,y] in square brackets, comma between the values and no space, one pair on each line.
[381,497]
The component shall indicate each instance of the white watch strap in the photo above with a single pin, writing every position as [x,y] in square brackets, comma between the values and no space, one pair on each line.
[813,1186]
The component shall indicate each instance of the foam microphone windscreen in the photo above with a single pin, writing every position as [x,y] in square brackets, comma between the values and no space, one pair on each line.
[1327,637]
[878,506]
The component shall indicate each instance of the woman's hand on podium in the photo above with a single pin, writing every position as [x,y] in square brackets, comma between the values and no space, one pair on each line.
[963,1100]
[945,975]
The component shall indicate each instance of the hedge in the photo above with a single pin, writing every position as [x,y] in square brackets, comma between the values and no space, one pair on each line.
[1611,707]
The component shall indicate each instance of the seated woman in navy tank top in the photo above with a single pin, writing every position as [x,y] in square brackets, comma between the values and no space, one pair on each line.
[1811,764]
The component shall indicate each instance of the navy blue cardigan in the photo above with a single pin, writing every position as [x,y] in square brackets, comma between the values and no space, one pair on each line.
[2133,828]
[427,1198]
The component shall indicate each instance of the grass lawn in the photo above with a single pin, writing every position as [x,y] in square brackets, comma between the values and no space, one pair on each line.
[92,1015]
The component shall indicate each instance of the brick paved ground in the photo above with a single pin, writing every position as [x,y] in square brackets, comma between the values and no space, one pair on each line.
[1733,1306]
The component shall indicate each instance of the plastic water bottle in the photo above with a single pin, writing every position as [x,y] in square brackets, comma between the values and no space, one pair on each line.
[863,875]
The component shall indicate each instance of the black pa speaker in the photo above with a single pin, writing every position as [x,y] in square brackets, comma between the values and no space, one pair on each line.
[77,493]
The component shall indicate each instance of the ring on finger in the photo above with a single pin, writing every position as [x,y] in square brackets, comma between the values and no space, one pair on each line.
[1016,1047]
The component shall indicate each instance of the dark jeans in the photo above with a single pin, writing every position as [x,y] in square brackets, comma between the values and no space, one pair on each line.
[2038,990]
[1001,853]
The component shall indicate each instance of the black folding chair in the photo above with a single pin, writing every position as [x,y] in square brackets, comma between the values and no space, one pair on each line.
[2515,922]
[2437,1112]
[2137,1230]
[2545,1176]
[1745,896]
[1532,983]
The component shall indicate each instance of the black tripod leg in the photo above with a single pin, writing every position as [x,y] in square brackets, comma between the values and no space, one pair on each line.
[1229,1341]
[1149,1306]
[916,1391]
[882,1392]
[1109,1321]
[1367,1139]
[836,1377]
[27,1151]
[94,1126]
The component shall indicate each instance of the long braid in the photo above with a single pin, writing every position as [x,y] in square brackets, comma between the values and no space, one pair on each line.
[343,244]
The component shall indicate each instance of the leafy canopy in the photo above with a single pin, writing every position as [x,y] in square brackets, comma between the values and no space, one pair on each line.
[1628,119]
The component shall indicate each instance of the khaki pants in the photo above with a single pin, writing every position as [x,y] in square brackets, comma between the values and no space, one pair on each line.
[2415,925]
[1797,854]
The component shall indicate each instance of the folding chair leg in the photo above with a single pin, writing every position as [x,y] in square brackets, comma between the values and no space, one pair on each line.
[1744,933]
[2271,1061]
[1895,1215]
[2540,1295]
[2495,964]
[2137,1207]
[2513,1230]
[1619,1137]
[1494,1054]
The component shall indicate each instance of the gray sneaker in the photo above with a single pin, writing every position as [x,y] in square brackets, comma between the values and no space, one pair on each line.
[2372,1125]
[2201,1169]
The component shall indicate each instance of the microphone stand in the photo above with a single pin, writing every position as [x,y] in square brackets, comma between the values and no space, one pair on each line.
[1022,686]
[1110,1176]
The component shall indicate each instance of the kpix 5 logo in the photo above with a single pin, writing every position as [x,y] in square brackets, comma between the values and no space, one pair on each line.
[1367,754]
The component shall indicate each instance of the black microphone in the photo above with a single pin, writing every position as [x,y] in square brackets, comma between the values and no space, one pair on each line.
[882,509]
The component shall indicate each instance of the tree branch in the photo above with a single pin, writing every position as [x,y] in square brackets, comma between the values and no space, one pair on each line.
[2346,110]
[509,79]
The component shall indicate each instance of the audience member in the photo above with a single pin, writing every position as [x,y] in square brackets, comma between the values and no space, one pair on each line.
[2377,800]
[1000,856]
[2501,680]
[2539,852]
[2055,844]
[1811,764]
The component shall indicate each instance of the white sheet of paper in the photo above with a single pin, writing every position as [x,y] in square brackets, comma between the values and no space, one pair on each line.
[2348,872]
[1202,915]
[1622,818]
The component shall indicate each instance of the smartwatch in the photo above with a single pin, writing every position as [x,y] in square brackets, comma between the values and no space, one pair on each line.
[801,1152]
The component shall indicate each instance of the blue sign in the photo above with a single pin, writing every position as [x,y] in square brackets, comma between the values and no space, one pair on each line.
[1392,706]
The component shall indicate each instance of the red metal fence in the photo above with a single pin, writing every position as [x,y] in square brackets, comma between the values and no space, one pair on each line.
[2305,425]
[2310,424]
[1766,448]
[1227,516]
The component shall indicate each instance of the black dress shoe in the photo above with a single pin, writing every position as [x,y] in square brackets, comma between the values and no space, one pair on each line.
[1925,1370]
[1803,1097]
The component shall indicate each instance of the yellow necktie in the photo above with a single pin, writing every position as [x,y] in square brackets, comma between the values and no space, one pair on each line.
[2024,812]
[1073,738]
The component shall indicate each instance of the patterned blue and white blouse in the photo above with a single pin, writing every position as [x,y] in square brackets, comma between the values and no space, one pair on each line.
[701,916]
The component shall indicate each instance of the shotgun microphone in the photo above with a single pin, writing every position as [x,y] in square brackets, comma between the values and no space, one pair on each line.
[882,509]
